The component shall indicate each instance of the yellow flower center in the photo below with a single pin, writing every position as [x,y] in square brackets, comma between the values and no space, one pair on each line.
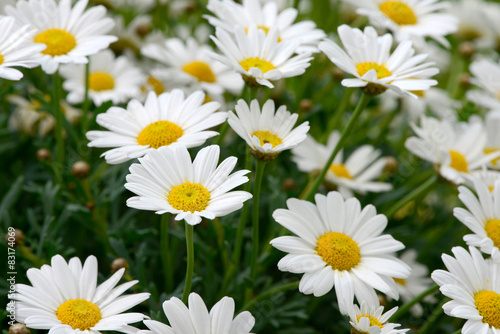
[160,133]
[458,161]
[486,151]
[338,250]
[200,70]
[419,93]
[491,188]
[101,81]
[1,59]
[399,12]
[79,314]
[373,321]
[400,281]
[191,197]
[266,30]
[59,42]
[156,85]
[267,137]
[341,171]
[488,306]
[382,71]
[492,229]
[261,64]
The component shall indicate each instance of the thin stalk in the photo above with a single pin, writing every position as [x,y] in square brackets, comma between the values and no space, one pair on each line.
[86,104]
[406,307]
[363,102]
[166,258]
[334,121]
[56,102]
[190,262]
[431,320]
[270,293]
[222,133]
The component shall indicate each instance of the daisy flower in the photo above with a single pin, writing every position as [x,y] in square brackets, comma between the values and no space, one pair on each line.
[368,58]
[370,319]
[166,180]
[488,177]
[110,79]
[65,298]
[259,57]
[338,244]
[70,33]
[355,174]
[197,319]
[482,217]
[17,48]
[473,285]
[130,37]
[267,133]
[160,121]
[474,22]
[189,64]
[485,75]
[408,19]
[265,16]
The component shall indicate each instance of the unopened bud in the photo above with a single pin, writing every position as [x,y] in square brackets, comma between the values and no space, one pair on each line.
[289,184]
[80,170]
[306,105]
[143,30]
[466,49]
[43,154]
[90,205]
[464,80]
[338,74]
[118,264]
[15,237]
[391,165]
[19,329]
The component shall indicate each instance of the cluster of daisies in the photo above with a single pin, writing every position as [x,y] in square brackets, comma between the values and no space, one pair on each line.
[170,95]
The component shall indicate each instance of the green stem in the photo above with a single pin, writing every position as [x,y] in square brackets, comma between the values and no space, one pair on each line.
[222,133]
[190,262]
[166,258]
[270,293]
[219,231]
[406,307]
[333,122]
[85,107]
[363,102]
[56,102]
[431,320]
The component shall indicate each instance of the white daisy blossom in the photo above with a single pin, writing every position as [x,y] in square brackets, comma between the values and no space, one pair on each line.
[475,22]
[338,244]
[482,216]
[65,298]
[258,56]
[370,319]
[265,16]
[110,79]
[166,180]
[160,121]
[17,48]
[190,65]
[70,33]
[355,174]
[409,19]
[269,132]
[485,75]
[197,319]
[473,285]
[368,58]
[488,177]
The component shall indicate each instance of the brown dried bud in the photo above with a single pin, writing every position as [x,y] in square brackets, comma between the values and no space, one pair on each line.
[17,237]
[464,80]
[466,49]
[118,264]
[19,329]
[80,170]
[43,154]
[391,165]
[289,184]
[90,205]
[143,30]
[306,105]
[338,74]
[382,300]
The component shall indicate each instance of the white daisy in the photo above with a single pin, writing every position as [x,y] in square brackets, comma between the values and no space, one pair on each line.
[473,285]
[485,75]
[110,79]
[65,298]
[190,65]
[167,181]
[339,244]
[488,177]
[492,121]
[356,174]
[368,58]
[265,16]
[482,217]
[409,19]
[161,121]
[370,319]
[258,56]
[267,133]
[70,33]
[130,36]
[197,319]
[474,22]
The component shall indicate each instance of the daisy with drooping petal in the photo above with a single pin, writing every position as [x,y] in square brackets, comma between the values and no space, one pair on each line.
[166,180]
[66,299]
[197,319]
[110,79]
[265,16]
[160,121]
[338,244]
[369,59]
[356,174]
[70,33]
[269,132]
[485,75]
[370,319]
[473,285]
[258,56]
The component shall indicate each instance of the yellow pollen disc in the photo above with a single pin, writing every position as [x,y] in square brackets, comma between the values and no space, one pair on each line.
[79,314]
[158,134]
[207,99]
[486,151]
[101,81]
[267,137]
[491,188]
[1,59]
[261,64]
[488,306]
[266,29]
[190,197]
[200,70]
[59,42]
[419,93]
[156,84]
[399,12]
[382,71]
[341,171]
[492,229]
[458,161]
[338,250]
[400,281]
[373,321]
